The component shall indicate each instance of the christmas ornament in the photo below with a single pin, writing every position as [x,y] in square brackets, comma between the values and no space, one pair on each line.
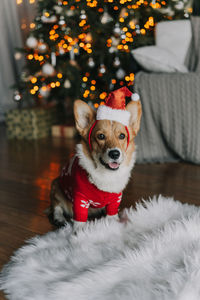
[137,29]
[17,96]
[102,69]
[91,62]
[31,42]
[38,26]
[115,41]
[42,47]
[67,84]
[58,9]
[53,59]
[69,13]
[117,29]
[62,20]
[48,69]
[83,15]
[116,62]
[61,50]
[48,19]
[44,91]
[18,55]
[120,73]
[106,18]
[112,49]
[179,5]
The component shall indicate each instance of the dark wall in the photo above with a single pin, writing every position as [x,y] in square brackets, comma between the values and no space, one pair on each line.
[196,8]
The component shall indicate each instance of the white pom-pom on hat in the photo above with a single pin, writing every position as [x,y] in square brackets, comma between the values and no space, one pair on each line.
[48,69]
[135,97]
[31,42]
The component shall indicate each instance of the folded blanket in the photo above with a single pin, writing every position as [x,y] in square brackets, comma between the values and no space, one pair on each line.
[170,127]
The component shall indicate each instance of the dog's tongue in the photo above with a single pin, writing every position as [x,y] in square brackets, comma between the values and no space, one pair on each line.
[113,165]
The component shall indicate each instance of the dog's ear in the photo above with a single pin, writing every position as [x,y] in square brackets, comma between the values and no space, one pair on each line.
[84,116]
[135,109]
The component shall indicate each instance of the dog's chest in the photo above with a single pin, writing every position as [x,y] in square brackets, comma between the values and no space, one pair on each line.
[75,183]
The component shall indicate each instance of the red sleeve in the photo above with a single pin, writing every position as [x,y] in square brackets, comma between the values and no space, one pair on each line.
[112,208]
[80,207]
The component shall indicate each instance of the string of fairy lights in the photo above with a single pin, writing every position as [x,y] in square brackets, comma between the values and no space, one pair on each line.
[59,41]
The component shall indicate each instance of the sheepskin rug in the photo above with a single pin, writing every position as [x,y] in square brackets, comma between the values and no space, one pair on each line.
[154,256]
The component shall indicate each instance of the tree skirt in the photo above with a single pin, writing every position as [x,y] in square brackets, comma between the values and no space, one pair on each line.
[154,256]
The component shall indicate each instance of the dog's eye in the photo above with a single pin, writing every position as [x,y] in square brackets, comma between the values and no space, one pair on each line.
[101,136]
[122,136]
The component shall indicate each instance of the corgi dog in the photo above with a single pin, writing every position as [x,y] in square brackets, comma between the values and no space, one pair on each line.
[97,174]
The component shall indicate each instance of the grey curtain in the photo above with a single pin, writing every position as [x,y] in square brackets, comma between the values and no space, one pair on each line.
[12,16]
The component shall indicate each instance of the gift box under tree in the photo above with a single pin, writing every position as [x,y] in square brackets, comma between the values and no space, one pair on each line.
[66,131]
[30,123]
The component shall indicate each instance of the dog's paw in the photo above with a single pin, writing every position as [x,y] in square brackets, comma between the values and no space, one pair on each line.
[58,217]
[58,223]
[113,217]
[77,226]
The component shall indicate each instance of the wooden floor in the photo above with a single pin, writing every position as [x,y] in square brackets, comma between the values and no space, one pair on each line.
[28,167]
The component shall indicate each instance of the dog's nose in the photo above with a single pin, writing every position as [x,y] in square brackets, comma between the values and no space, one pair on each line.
[114,154]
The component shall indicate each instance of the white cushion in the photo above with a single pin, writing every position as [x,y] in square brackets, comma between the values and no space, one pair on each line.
[156,59]
[174,36]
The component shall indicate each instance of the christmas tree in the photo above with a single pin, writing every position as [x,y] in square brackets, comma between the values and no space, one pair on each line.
[82,48]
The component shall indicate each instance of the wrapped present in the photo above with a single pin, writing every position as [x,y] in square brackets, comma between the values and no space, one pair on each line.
[67,131]
[30,123]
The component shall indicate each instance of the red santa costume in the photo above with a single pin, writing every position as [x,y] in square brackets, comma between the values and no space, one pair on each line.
[74,180]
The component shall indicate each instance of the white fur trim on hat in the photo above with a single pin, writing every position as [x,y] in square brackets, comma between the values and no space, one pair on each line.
[135,97]
[107,113]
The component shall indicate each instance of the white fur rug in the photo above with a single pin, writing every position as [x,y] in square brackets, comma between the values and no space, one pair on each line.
[155,256]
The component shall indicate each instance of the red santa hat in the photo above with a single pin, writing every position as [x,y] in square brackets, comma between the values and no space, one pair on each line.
[115,106]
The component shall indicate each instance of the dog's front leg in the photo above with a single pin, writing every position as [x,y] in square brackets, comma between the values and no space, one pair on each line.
[77,226]
[80,212]
[112,209]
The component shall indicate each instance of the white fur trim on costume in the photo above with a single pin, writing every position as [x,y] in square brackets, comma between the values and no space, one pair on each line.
[107,113]
[105,180]
[135,97]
